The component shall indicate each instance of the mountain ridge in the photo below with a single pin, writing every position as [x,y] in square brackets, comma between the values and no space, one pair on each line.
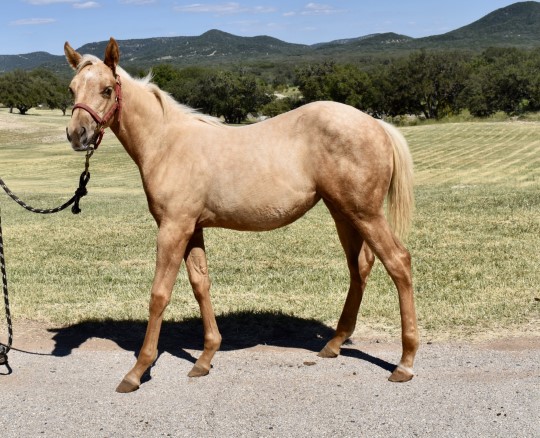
[517,25]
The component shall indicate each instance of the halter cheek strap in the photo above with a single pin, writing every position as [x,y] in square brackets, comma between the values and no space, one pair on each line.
[103,121]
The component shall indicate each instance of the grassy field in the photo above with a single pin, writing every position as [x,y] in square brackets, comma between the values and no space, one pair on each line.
[475,241]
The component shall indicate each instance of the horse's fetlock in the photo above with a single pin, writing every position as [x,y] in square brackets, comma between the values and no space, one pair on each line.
[147,356]
[212,341]
[411,341]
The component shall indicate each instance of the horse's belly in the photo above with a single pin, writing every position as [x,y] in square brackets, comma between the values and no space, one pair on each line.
[252,211]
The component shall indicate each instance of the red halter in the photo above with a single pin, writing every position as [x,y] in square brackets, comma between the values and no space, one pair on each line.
[102,121]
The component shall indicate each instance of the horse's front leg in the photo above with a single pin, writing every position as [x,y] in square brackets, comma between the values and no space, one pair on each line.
[197,269]
[171,245]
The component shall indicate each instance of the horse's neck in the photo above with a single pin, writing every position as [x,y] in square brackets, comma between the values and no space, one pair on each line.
[140,125]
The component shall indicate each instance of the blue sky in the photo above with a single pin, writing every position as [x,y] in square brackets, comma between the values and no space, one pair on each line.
[43,25]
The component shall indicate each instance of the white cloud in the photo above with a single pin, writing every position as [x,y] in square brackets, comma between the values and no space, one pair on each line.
[77,4]
[263,9]
[137,2]
[86,5]
[318,9]
[289,14]
[224,8]
[48,2]
[32,21]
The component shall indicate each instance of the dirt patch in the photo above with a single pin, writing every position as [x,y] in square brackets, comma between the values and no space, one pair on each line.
[512,344]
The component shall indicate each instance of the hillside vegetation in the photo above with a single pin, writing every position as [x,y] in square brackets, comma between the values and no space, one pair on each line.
[517,25]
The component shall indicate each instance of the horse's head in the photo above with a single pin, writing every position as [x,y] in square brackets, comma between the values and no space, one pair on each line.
[97,95]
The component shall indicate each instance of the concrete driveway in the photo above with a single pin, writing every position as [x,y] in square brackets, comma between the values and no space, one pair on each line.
[62,385]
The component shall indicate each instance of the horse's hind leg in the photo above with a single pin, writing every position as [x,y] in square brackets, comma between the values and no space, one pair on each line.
[397,261]
[197,269]
[360,261]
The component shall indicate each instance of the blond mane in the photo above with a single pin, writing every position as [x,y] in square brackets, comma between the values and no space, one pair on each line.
[166,101]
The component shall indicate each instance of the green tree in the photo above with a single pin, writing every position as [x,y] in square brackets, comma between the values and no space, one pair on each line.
[311,81]
[279,106]
[164,75]
[340,83]
[350,85]
[532,69]
[428,84]
[54,89]
[502,79]
[22,90]
[232,96]
[7,98]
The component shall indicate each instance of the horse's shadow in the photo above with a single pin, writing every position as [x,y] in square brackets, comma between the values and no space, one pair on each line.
[239,330]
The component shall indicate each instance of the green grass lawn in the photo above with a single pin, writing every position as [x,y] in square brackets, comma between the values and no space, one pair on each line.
[475,241]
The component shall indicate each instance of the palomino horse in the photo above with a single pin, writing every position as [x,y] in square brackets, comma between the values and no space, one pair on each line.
[198,173]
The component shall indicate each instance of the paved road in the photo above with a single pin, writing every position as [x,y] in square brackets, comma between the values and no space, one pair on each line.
[66,389]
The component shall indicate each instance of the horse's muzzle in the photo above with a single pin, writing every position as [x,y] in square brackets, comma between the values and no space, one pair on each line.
[80,140]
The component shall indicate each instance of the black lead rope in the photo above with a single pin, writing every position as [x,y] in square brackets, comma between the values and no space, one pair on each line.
[75,199]
[4,349]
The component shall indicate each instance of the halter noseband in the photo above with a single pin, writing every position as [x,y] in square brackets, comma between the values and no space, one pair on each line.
[102,121]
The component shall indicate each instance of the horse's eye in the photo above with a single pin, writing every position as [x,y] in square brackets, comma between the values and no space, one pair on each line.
[108,91]
[71,91]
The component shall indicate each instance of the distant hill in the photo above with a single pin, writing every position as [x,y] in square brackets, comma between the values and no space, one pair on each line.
[212,44]
[27,61]
[517,25]
[377,41]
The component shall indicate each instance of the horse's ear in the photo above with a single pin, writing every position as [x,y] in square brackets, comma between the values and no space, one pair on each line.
[112,55]
[73,57]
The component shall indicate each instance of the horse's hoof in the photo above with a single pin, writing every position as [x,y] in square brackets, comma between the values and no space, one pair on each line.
[401,375]
[198,371]
[127,386]
[327,352]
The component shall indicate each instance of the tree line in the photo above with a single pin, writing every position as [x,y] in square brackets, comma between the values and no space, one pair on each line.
[430,85]
[25,90]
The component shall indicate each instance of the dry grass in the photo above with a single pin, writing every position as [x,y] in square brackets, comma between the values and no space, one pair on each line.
[475,239]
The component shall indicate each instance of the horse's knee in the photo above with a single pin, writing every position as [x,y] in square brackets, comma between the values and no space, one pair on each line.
[159,302]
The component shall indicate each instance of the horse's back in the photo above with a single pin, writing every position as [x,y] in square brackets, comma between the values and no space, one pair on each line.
[339,141]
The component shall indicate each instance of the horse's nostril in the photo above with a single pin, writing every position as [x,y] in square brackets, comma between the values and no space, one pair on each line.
[68,136]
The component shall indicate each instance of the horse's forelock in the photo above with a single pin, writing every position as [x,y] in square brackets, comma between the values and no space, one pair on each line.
[87,60]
